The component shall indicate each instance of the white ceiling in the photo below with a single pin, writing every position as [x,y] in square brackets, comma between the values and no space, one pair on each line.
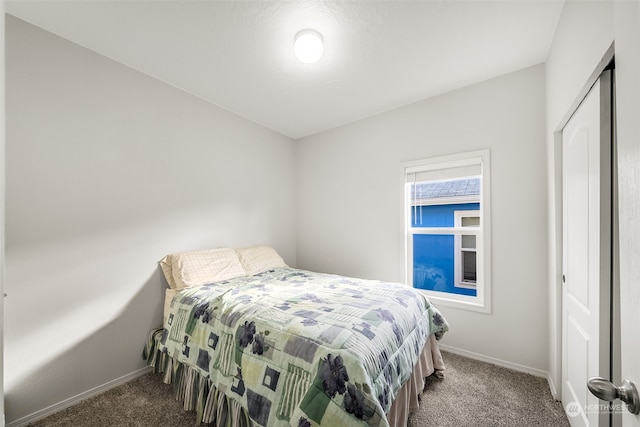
[379,55]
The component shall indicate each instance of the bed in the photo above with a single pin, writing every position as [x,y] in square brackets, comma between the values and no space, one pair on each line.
[249,341]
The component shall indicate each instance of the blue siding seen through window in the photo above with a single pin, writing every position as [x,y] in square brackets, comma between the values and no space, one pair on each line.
[434,254]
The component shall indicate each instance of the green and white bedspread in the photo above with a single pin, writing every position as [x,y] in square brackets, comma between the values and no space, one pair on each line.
[296,348]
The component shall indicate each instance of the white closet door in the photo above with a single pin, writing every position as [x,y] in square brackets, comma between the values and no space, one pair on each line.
[586,151]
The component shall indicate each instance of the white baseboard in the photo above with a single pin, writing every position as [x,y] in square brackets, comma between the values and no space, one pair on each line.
[494,361]
[43,413]
[552,387]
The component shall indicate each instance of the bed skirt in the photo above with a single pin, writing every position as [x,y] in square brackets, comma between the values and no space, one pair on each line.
[407,400]
[214,407]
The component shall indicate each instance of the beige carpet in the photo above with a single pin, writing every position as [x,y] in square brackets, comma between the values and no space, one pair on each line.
[478,394]
[471,394]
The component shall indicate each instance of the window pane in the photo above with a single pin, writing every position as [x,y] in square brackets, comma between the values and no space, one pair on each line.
[470,221]
[469,242]
[469,267]
[433,264]
[432,202]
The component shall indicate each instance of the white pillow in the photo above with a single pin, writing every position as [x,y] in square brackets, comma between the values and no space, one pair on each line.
[259,258]
[195,268]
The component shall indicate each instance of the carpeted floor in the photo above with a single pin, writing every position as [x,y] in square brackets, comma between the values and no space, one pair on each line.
[480,394]
[472,393]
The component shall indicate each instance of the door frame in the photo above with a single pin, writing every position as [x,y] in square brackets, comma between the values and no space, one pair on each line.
[2,209]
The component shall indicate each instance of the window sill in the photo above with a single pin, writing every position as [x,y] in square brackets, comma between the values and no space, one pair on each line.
[458,301]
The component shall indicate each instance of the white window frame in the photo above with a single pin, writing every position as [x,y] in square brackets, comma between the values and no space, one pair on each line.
[482,301]
[458,261]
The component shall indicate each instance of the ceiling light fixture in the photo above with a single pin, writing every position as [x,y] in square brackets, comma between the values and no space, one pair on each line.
[308,46]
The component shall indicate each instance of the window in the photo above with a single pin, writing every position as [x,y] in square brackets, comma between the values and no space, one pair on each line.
[466,269]
[448,229]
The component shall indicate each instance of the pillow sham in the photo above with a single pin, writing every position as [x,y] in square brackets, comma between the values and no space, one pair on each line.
[257,259]
[195,268]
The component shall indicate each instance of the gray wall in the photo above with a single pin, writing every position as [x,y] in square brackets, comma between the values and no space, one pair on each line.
[107,171]
[585,31]
[350,195]
[583,35]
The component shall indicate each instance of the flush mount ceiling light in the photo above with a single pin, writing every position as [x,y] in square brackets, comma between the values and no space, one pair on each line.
[308,46]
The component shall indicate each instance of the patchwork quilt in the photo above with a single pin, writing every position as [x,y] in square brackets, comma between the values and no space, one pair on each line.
[296,348]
